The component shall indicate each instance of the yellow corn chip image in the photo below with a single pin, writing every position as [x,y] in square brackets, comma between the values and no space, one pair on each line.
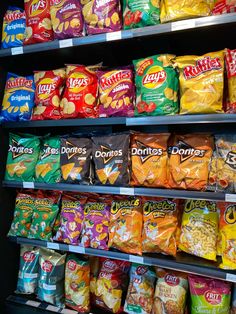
[66,170]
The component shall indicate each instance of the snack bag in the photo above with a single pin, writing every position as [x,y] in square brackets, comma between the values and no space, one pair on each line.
[80,94]
[13,28]
[116,93]
[111,159]
[224,6]
[149,159]
[18,100]
[171,292]
[94,272]
[125,229]
[201,83]
[209,295]
[140,293]
[44,216]
[159,225]
[101,16]
[51,277]
[67,20]
[76,158]
[189,160]
[28,270]
[111,284]
[233,309]
[23,152]
[230,61]
[38,22]
[157,86]
[48,166]
[212,177]
[49,85]
[199,229]
[227,229]
[77,276]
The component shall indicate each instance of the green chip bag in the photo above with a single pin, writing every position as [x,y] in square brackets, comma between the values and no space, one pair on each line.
[48,166]
[23,152]
[157,86]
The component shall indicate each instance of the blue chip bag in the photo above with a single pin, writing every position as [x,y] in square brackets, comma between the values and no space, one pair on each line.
[18,98]
[13,29]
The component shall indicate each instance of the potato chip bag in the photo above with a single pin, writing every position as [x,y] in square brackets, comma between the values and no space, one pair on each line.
[48,169]
[141,288]
[199,229]
[38,22]
[159,225]
[49,85]
[23,152]
[201,83]
[125,229]
[189,160]
[157,86]
[116,93]
[67,19]
[13,28]
[171,292]
[224,6]
[209,295]
[230,62]
[101,16]
[149,159]
[77,281]
[18,98]
[51,277]
[94,272]
[80,94]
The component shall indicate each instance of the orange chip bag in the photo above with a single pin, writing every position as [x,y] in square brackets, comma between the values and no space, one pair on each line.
[189,159]
[125,230]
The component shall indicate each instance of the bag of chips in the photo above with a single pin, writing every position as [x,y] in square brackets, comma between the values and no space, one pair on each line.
[230,61]
[209,295]
[157,86]
[171,292]
[18,98]
[233,309]
[23,152]
[80,94]
[51,277]
[201,83]
[116,93]
[38,22]
[49,85]
[212,177]
[199,229]
[149,159]
[159,225]
[13,28]
[94,272]
[67,19]
[111,159]
[224,6]
[101,16]
[189,160]
[76,159]
[77,277]
[125,229]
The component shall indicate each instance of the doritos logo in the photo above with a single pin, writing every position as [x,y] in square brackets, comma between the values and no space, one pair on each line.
[145,152]
[47,151]
[70,150]
[203,65]
[17,150]
[185,151]
[19,82]
[231,160]
[106,82]
[107,154]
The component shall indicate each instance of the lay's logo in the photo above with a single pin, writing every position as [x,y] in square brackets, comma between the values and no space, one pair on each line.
[14,16]
[19,82]
[77,82]
[37,7]
[154,78]
[46,86]
[107,82]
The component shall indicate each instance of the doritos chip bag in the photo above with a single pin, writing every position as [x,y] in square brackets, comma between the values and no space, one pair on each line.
[111,159]
[224,6]
[18,98]
[230,61]
[189,158]
[23,153]
[149,159]
[13,28]
[157,86]
[201,83]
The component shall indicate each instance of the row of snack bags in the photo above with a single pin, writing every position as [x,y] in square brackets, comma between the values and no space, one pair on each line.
[118,286]
[161,160]
[133,225]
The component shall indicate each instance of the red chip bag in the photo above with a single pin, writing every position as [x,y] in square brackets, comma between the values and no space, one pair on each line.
[80,94]
[38,22]
[47,95]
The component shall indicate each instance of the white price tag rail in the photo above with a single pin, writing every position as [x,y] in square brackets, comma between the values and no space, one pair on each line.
[230,197]
[182,25]
[136,259]
[113,36]
[127,191]
[28,185]
[65,43]
[17,51]
[76,249]
[53,246]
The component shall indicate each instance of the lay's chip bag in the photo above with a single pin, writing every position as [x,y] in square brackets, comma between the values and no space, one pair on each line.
[13,29]
[18,100]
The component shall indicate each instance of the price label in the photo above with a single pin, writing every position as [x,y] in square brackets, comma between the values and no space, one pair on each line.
[127,191]
[181,25]
[53,246]
[17,51]
[136,259]
[28,185]
[77,249]
[113,36]
[53,308]
[231,277]
[65,43]
[230,197]
[67,311]
[33,303]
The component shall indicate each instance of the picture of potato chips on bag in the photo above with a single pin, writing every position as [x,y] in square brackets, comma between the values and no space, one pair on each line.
[111,159]
[201,83]
[149,159]
[23,153]
[189,160]
[222,7]
[230,61]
